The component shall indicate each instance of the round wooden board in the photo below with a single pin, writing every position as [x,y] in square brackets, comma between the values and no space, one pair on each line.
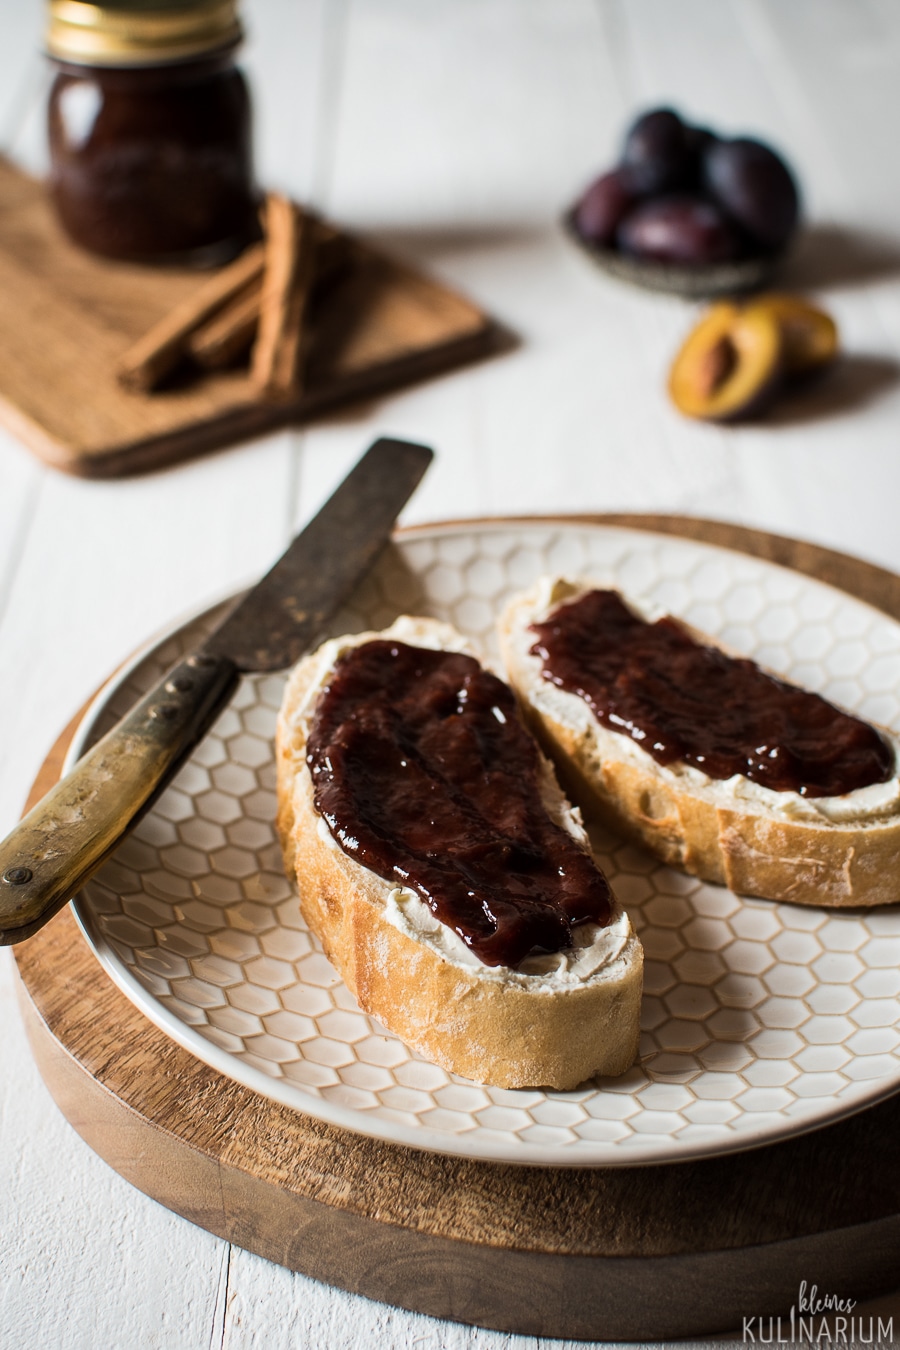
[603,1254]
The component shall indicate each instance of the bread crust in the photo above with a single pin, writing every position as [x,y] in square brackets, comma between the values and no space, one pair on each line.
[745,845]
[489,1031]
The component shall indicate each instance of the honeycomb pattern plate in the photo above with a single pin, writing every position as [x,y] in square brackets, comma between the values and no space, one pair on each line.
[759,1020]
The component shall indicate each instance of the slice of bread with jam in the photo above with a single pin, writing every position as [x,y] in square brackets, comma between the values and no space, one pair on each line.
[402,797]
[827,833]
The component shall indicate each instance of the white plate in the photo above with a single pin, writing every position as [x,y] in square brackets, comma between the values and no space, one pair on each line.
[759,1020]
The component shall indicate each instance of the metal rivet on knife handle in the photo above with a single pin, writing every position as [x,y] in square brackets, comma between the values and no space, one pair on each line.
[17,876]
[167,711]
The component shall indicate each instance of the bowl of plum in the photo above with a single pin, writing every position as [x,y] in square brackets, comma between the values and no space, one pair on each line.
[688,211]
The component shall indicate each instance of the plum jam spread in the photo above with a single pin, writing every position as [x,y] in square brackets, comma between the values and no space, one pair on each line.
[682,701]
[425,775]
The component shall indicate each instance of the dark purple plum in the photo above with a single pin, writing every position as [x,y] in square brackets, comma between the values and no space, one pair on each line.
[698,141]
[679,229]
[656,152]
[603,206]
[755,187]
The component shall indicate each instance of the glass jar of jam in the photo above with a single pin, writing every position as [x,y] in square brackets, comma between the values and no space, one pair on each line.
[149,128]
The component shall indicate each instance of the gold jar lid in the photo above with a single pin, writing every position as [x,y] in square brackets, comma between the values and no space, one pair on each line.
[139,32]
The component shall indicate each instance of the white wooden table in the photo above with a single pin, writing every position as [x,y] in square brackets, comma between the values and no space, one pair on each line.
[453,131]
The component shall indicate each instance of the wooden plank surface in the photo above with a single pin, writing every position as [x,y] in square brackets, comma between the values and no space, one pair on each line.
[667,1250]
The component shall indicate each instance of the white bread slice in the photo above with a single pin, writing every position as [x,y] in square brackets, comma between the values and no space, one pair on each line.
[554,1022]
[837,851]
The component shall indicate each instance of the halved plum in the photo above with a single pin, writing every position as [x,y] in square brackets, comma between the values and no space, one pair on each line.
[810,335]
[730,364]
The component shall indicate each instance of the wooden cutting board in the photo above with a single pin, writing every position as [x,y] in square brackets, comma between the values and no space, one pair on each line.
[67,317]
[605,1254]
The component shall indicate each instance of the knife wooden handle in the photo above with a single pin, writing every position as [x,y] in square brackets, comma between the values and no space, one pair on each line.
[54,850]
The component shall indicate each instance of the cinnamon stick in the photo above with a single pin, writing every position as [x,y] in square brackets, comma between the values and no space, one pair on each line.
[277,359]
[229,334]
[222,340]
[159,351]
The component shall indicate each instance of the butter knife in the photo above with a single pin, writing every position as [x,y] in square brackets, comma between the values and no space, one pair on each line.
[61,842]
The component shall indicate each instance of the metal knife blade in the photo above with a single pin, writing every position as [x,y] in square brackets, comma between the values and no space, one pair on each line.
[61,842]
[275,624]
